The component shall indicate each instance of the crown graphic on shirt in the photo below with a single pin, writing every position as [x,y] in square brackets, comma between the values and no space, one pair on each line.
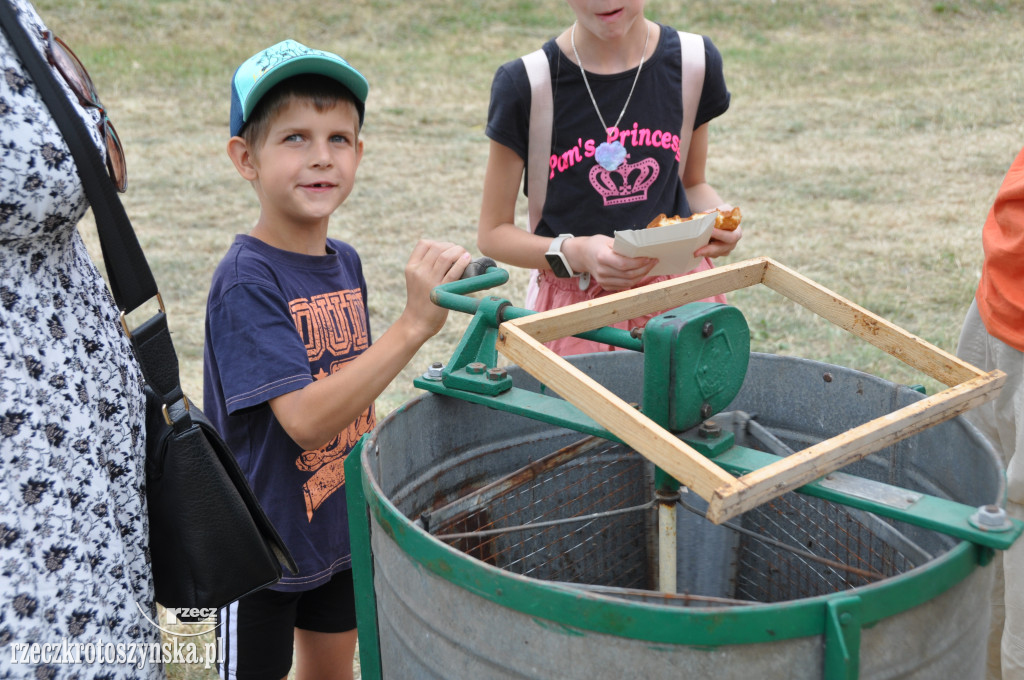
[627,183]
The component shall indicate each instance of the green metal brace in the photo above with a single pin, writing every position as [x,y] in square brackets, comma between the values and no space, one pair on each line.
[362,565]
[842,638]
[469,370]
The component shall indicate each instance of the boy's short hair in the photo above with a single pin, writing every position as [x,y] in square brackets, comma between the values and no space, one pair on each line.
[261,72]
[321,92]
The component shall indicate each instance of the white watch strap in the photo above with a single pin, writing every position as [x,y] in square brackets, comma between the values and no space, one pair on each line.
[554,252]
[556,245]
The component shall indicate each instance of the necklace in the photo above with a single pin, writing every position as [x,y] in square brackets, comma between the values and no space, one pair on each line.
[609,156]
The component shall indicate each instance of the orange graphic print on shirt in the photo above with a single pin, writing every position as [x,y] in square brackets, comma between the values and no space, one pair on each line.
[333,327]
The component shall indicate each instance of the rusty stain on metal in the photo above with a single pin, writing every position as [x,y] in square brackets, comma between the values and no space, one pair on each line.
[806,547]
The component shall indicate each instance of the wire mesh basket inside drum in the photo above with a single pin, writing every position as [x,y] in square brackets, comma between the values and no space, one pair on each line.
[585,515]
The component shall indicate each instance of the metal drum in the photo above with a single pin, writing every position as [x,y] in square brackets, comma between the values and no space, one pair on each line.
[503,547]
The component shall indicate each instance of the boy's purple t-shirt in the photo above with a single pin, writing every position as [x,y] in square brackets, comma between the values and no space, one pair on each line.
[275,322]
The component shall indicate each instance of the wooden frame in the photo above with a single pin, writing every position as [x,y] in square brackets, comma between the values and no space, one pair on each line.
[521,341]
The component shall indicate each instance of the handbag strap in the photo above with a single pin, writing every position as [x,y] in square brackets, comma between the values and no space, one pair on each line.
[131,280]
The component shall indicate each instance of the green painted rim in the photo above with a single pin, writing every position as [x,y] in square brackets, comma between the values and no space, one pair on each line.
[693,626]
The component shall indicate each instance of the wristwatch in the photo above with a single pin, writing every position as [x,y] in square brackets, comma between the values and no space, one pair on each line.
[556,258]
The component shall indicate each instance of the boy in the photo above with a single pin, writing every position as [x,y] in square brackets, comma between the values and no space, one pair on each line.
[290,375]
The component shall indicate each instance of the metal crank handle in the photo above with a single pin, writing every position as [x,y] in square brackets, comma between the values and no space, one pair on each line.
[480,274]
[478,267]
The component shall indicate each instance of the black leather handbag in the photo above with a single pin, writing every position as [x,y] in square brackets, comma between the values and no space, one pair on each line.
[210,540]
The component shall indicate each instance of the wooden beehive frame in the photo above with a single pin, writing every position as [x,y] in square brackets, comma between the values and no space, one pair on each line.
[521,341]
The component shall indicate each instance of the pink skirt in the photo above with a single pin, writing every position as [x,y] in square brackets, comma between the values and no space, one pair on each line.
[547,291]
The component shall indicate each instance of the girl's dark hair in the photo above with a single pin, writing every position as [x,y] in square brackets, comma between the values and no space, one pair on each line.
[322,92]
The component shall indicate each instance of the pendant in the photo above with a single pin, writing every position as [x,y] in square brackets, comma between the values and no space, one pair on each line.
[610,156]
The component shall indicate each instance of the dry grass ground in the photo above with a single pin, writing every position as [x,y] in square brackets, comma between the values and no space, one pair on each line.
[865,142]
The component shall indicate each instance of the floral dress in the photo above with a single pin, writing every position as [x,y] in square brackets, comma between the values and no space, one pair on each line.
[74,564]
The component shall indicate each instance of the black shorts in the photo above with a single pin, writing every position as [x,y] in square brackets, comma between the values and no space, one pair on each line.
[258,632]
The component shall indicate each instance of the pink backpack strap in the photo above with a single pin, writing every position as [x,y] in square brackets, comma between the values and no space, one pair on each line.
[541,121]
[691,47]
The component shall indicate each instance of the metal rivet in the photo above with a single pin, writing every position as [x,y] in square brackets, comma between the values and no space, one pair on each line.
[434,371]
[709,429]
[705,410]
[827,377]
[708,329]
[991,517]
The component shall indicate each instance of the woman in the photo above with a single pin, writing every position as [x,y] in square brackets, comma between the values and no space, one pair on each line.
[74,538]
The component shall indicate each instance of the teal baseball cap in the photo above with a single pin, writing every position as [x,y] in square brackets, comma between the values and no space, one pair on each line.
[265,69]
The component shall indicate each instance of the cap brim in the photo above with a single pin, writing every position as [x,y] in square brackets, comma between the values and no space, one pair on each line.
[301,65]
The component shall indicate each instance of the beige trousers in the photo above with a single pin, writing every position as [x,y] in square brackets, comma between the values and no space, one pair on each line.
[1002,422]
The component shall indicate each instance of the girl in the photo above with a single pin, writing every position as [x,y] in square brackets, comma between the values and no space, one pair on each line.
[613,88]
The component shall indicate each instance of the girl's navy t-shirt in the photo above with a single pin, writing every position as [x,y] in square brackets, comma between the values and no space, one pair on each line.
[583,199]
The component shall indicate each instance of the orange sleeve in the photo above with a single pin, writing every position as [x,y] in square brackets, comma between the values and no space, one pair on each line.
[1000,293]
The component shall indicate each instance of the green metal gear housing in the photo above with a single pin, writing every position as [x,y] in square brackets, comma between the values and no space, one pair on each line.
[695,360]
